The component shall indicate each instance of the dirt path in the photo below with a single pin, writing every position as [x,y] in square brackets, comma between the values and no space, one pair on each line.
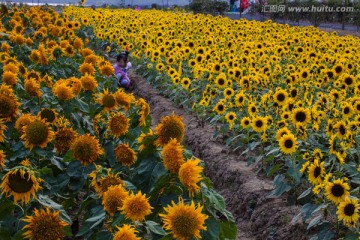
[245,193]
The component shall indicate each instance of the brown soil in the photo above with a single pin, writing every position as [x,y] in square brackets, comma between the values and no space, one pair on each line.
[245,193]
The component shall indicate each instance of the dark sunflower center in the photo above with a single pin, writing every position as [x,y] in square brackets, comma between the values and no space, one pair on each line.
[242,98]
[349,209]
[228,92]
[20,184]
[280,97]
[338,69]
[289,143]
[246,122]
[259,123]
[348,80]
[293,93]
[231,117]
[342,129]
[300,117]
[220,107]
[346,110]
[48,115]
[358,106]
[253,109]
[304,74]
[109,101]
[37,132]
[337,190]
[221,82]
[7,106]
[317,172]
[217,68]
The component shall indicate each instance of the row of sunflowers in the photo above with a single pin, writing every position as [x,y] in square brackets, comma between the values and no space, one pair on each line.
[291,94]
[77,156]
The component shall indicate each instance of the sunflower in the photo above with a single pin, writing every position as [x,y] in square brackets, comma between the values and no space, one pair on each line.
[347,110]
[316,172]
[259,124]
[228,93]
[221,81]
[107,100]
[144,111]
[280,96]
[185,83]
[281,132]
[301,115]
[49,115]
[124,99]
[245,122]
[21,183]
[114,198]
[118,124]
[136,207]
[44,225]
[87,68]
[252,109]
[342,130]
[9,78]
[88,82]
[184,221]
[348,211]
[337,191]
[64,137]
[190,175]
[288,144]
[107,70]
[8,103]
[37,134]
[168,128]
[172,154]
[160,67]
[220,108]
[2,159]
[62,91]
[125,155]
[78,43]
[91,59]
[32,87]
[126,232]
[102,183]
[231,118]
[86,149]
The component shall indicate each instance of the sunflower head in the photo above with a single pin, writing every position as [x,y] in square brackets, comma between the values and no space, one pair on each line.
[126,232]
[88,82]
[168,128]
[86,149]
[184,221]
[348,211]
[337,190]
[288,144]
[172,154]
[136,207]
[37,134]
[64,137]
[44,225]
[107,100]
[21,183]
[114,198]
[125,155]
[190,174]
[49,115]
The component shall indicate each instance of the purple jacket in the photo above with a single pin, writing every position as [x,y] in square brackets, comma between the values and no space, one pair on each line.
[121,75]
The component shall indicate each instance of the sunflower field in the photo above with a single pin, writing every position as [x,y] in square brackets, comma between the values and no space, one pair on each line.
[77,156]
[288,94]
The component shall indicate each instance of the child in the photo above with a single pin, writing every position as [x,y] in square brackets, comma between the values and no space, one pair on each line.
[120,69]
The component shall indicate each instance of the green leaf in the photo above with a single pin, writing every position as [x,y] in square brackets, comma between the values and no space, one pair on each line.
[315,221]
[4,233]
[280,186]
[305,193]
[155,228]
[92,222]
[212,229]
[6,208]
[228,230]
[83,106]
